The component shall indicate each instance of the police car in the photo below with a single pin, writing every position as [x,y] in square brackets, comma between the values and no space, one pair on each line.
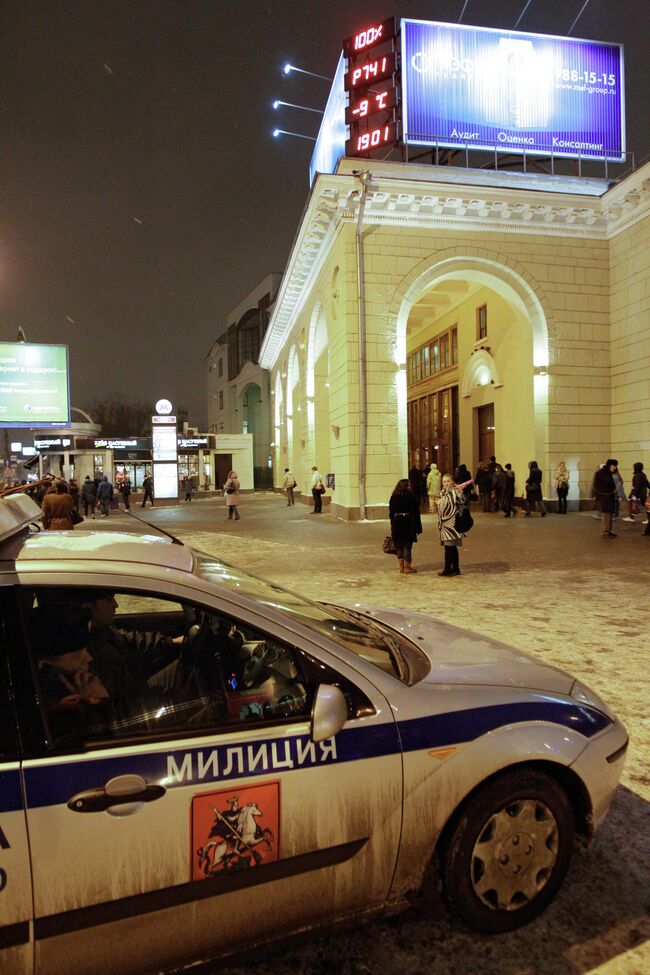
[196,761]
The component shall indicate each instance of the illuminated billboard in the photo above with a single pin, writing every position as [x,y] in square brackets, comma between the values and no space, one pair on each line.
[34,385]
[481,88]
[330,143]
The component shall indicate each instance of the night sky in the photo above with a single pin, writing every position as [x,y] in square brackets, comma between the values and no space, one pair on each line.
[141,193]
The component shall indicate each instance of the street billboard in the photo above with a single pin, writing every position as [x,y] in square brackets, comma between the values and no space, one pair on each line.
[34,385]
[482,88]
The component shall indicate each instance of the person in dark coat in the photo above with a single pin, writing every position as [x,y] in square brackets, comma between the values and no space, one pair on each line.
[483,482]
[125,491]
[418,485]
[405,522]
[147,485]
[603,490]
[105,495]
[89,496]
[463,476]
[57,508]
[506,490]
[640,490]
[534,489]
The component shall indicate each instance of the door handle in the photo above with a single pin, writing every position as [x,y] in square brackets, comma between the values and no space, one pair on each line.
[121,796]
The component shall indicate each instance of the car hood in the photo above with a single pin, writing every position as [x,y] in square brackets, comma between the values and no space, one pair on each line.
[458,656]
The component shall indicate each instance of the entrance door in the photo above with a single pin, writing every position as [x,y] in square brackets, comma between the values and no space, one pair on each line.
[222,468]
[485,418]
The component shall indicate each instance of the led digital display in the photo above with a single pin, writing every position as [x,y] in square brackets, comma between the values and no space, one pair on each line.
[34,385]
[483,88]
[370,103]
[370,37]
[373,71]
[383,135]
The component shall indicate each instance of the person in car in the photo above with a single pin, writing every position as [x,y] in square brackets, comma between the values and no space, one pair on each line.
[66,674]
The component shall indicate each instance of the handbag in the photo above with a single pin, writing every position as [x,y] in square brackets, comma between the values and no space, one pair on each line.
[75,517]
[294,485]
[635,506]
[231,490]
[388,545]
[646,503]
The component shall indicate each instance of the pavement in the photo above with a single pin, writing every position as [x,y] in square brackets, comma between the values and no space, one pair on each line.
[551,586]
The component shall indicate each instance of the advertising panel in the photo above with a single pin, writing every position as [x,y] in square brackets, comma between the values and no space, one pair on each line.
[164,443]
[330,143]
[484,88]
[165,481]
[34,385]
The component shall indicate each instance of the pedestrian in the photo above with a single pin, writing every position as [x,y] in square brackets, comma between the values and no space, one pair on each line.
[105,495]
[405,523]
[417,484]
[89,496]
[463,476]
[483,481]
[424,498]
[125,491]
[57,508]
[620,490]
[231,494]
[603,490]
[534,489]
[450,537]
[495,469]
[288,484]
[188,484]
[641,491]
[434,483]
[147,486]
[506,485]
[73,491]
[561,479]
[317,490]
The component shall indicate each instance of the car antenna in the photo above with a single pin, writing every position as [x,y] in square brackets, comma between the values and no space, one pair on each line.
[157,528]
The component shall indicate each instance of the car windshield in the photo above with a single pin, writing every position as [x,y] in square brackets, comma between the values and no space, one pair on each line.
[370,640]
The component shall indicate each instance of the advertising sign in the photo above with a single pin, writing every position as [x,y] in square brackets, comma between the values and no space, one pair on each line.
[484,88]
[330,143]
[34,385]
[164,443]
[165,480]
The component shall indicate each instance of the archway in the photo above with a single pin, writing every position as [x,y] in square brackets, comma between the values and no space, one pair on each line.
[317,385]
[472,336]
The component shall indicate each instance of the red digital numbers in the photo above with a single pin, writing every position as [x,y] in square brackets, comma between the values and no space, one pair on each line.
[372,139]
[370,103]
[369,73]
[370,37]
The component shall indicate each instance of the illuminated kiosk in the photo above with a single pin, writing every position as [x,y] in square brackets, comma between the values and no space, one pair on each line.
[447,313]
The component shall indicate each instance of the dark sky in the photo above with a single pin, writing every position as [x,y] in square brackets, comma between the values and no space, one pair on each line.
[141,195]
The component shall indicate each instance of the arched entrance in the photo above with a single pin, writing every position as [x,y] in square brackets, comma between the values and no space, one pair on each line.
[318,385]
[475,344]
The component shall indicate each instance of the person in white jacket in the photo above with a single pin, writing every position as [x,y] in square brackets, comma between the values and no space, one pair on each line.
[434,484]
[288,485]
[317,490]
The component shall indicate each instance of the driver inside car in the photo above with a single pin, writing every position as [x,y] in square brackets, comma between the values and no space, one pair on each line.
[128,662]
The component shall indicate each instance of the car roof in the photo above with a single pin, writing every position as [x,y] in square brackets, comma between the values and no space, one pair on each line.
[96,546]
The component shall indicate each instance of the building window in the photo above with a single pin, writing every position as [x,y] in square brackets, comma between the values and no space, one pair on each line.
[435,356]
[425,361]
[454,346]
[481,322]
[220,400]
[444,351]
[221,367]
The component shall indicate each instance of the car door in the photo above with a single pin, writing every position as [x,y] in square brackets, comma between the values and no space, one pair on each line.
[16,949]
[154,846]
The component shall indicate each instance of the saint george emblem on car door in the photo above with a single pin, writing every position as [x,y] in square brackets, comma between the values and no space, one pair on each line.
[235,829]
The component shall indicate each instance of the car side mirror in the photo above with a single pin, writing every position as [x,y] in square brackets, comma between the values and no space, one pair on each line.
[329,712]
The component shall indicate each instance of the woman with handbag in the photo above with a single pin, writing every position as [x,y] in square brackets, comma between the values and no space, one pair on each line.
[405,523]
[561,479]
[448,505]
[231,494]
[641,491]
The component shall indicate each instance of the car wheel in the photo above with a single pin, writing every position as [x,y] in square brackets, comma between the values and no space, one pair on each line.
[508,852]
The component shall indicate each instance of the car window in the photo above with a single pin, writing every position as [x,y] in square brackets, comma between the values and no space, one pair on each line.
[376,644]
[118,665]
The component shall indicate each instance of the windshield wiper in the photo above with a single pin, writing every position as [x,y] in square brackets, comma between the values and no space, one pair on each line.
[379,632]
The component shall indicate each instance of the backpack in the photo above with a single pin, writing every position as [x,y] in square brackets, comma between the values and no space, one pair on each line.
[464,520]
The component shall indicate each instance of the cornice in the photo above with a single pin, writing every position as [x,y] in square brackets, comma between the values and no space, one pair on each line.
[471,209]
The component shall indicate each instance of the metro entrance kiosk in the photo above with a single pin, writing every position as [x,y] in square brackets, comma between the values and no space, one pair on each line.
[164,452]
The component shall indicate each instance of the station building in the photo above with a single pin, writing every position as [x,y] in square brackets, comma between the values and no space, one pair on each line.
[437,313]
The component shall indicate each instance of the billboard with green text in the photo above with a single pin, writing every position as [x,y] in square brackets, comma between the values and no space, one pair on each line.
[34,385]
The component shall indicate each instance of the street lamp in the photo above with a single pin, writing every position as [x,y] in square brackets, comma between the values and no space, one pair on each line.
[288,68]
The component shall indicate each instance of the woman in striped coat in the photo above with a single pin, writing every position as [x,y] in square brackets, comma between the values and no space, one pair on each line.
[448,504]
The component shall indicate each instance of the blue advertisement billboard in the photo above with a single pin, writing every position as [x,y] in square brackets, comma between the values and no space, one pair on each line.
[486,89]
[330,143]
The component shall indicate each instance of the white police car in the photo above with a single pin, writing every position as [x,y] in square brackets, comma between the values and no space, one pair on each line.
[195,760]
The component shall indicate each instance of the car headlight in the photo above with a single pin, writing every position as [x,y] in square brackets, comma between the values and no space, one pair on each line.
[584,695]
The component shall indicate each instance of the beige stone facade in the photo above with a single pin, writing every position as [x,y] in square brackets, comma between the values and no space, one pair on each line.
[563,267]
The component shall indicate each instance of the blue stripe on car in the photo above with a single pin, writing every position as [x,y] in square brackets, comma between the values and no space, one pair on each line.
[205,766]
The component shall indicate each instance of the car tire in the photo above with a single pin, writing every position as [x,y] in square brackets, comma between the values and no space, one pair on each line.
[508,851]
